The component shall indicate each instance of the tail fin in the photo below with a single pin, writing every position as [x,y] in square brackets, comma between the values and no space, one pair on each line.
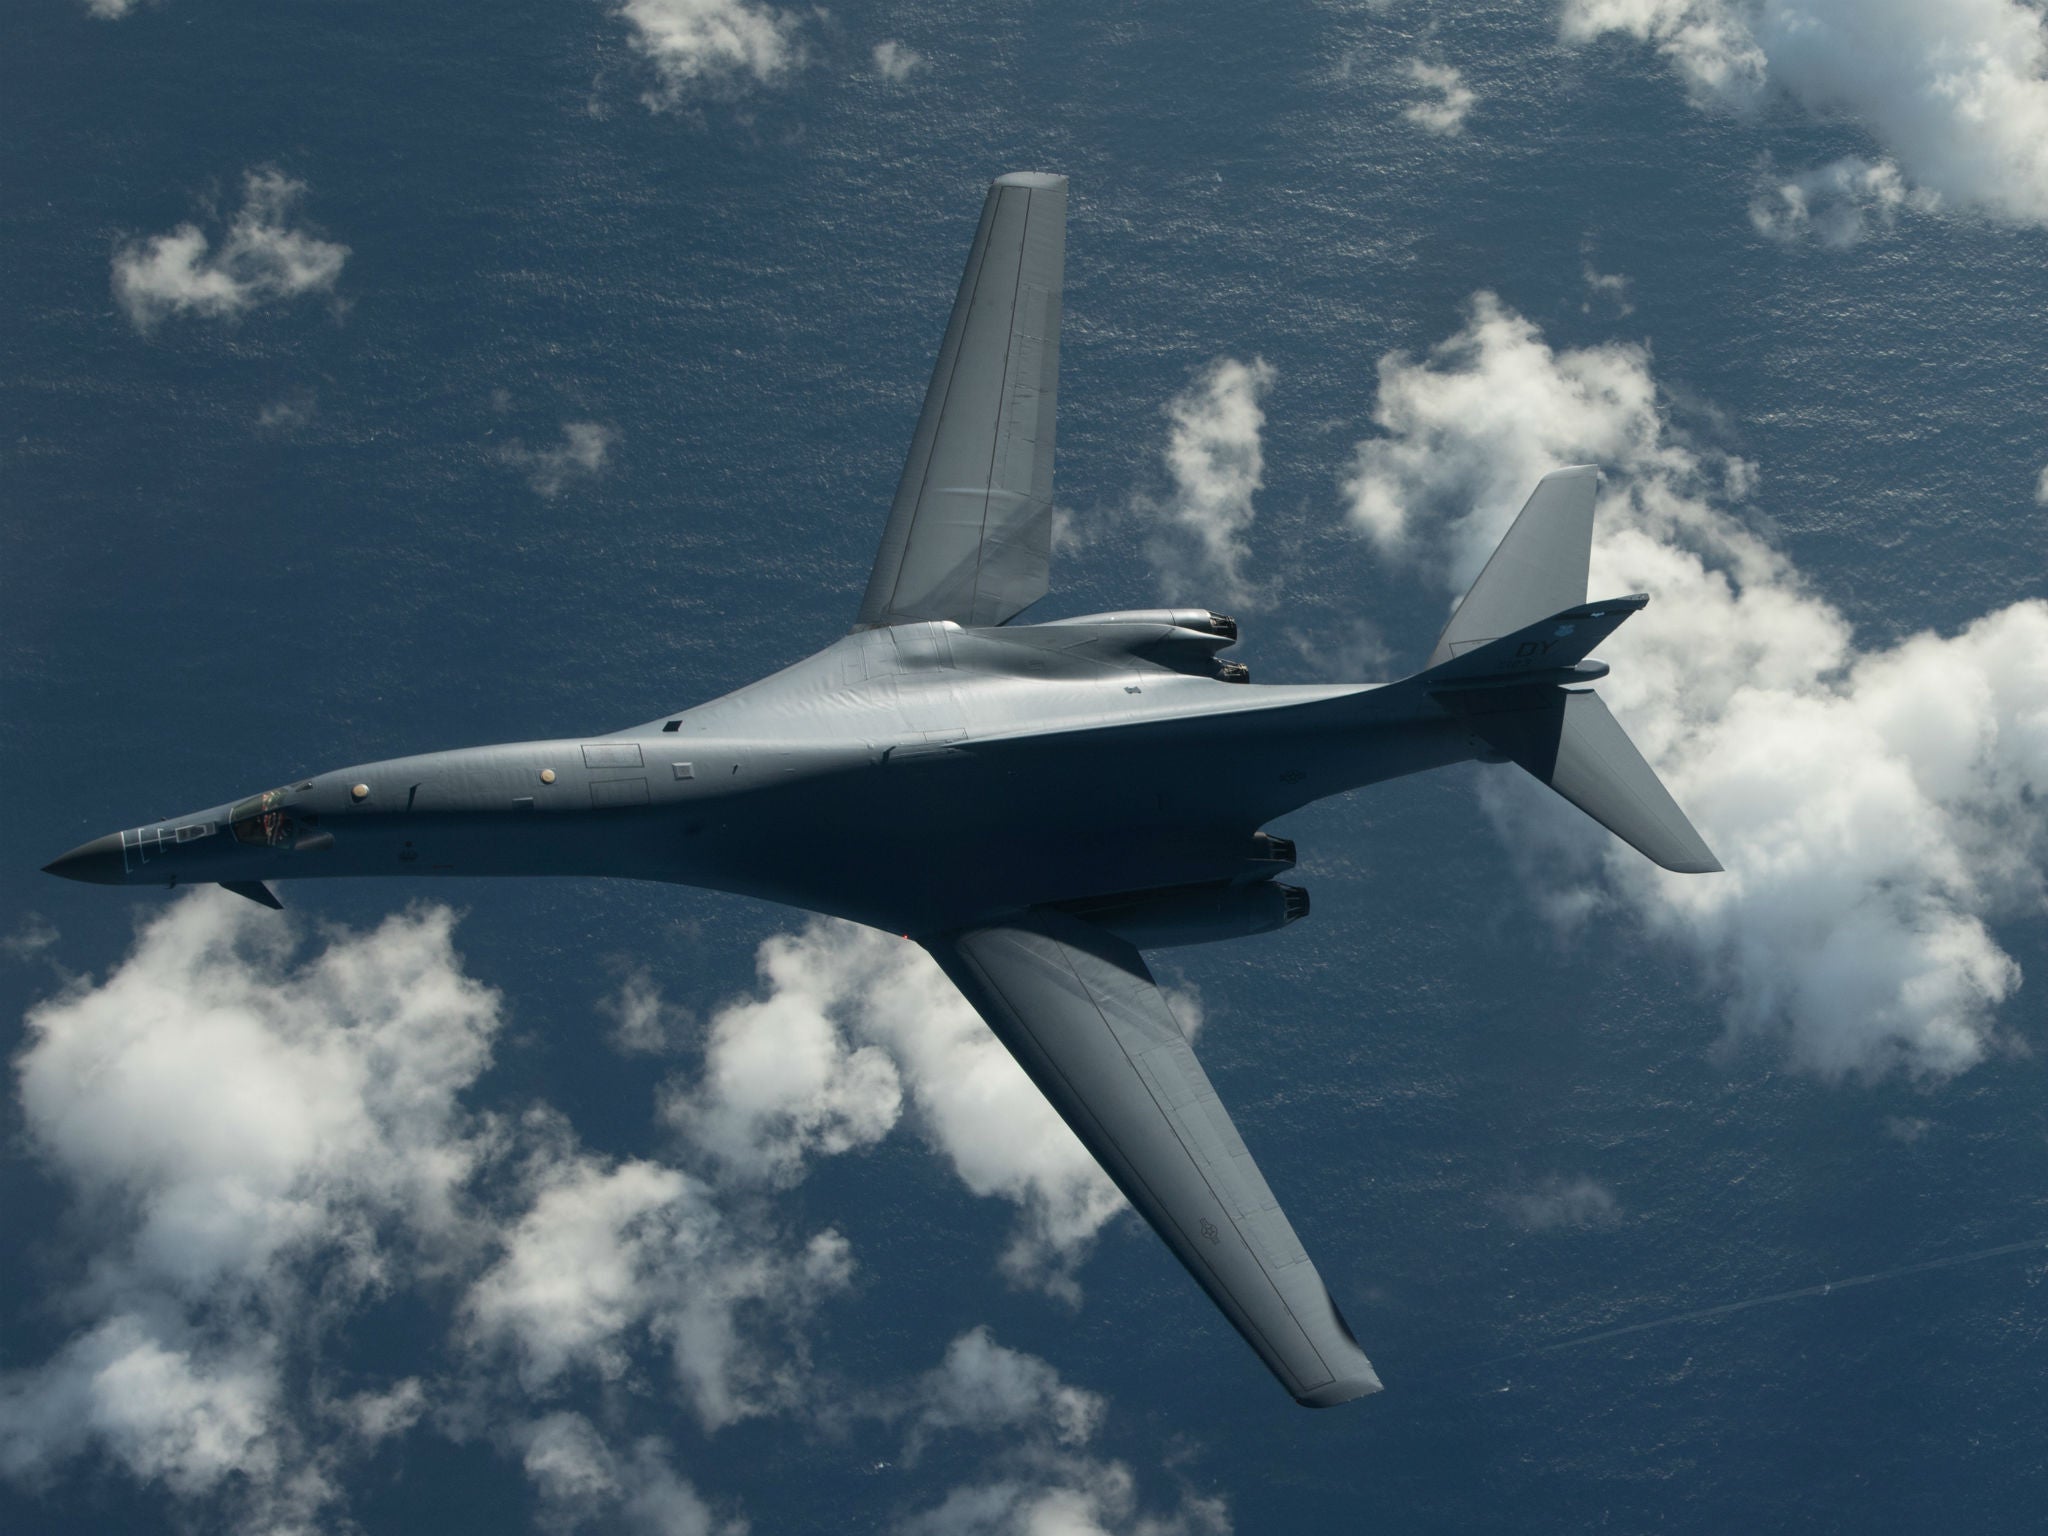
[1539,567]
[1523,632]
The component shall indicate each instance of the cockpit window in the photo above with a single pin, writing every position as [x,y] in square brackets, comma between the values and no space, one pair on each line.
[262,821]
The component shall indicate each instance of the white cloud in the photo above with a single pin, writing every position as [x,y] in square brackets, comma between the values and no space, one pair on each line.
[702,44]
[256,1146]
[111,10]
[1875,809]
[582,1482]
[260,260]
[1709,42]
[782,1081]
[1071,532]
[158,1410]
[1560,1202]
[1218,466]
[1044,1482]
[1954,94]
[1837,202]
[264,1142]
[896,62]
[582,454]
[1608,288]
[612,1256]
[379,1415]
[1481,421]
[288,414]
[571,1467]
[1445,112]
[2041,488]
[643,1024]
[1065,1496]
[581,1266]
[32,936]
[849,1024]
[982,1388]
[237,1106]
[973,1103]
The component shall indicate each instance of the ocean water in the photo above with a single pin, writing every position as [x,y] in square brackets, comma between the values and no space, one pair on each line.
[748,292]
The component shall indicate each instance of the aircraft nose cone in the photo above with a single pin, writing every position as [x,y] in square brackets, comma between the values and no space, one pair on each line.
[98,861]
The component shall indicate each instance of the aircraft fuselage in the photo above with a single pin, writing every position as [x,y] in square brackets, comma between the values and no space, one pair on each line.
[915,778]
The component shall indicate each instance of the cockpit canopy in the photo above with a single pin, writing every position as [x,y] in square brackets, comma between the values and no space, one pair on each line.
[263,821]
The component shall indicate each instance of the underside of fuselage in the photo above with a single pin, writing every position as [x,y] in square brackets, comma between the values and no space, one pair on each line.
[957,835]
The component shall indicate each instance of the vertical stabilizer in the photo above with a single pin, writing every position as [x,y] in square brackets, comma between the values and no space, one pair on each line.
[1539,568]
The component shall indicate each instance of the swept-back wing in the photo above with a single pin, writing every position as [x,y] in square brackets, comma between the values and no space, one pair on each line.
[1079,1010]
[970,534]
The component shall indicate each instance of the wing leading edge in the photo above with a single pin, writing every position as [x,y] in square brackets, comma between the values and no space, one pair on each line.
[969,536]
[1079,1010]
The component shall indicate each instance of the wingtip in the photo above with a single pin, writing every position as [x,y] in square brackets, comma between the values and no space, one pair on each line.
[1037,181]
[1337,1393]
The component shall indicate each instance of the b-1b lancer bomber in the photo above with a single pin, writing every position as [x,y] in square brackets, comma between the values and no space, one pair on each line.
[1037,804]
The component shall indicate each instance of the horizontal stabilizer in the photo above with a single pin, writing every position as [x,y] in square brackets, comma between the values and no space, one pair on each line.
[1600,771]
[1554,644]
[1569,741]
[1539,567]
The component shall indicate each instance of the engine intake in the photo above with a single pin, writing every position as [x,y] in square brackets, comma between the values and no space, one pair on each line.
[1279,849]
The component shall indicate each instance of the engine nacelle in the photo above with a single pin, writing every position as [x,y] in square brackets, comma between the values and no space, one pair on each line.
[1184,640]
[1200,620]
[1195,914]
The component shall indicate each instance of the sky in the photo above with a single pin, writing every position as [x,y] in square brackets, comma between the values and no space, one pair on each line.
[376,381]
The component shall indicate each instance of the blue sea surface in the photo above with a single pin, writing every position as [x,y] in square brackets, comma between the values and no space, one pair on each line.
[749,291]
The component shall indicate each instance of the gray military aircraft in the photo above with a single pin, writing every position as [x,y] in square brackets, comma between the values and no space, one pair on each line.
[1035,804]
